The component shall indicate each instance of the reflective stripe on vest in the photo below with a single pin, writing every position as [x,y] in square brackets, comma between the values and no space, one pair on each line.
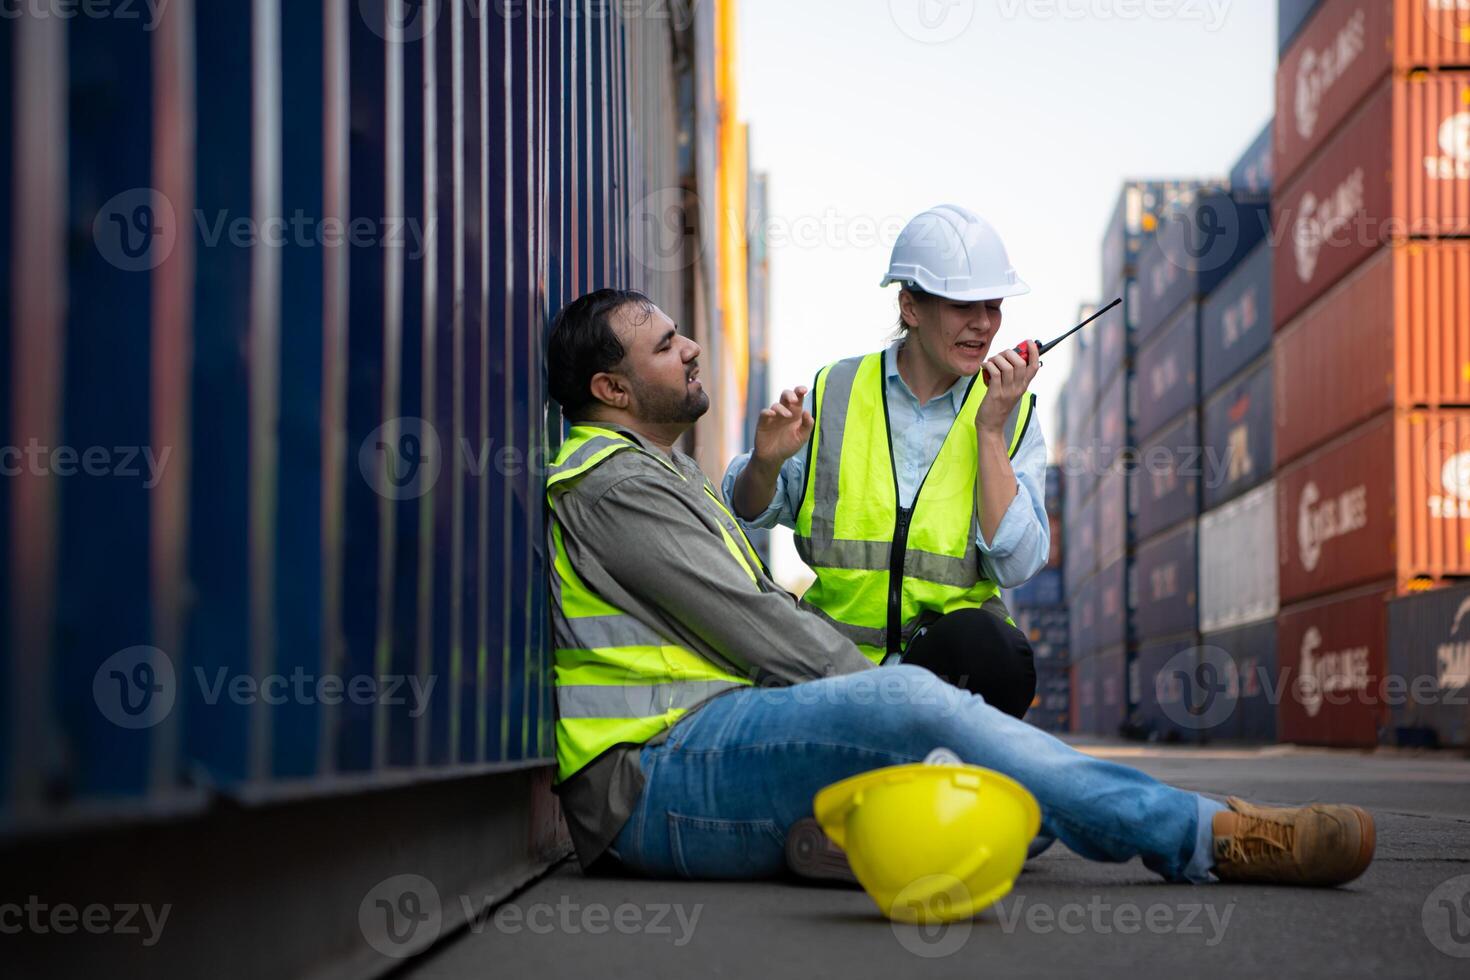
[849,519]
[619,680]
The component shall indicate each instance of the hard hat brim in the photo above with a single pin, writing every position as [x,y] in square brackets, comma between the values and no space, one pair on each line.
[1017,288]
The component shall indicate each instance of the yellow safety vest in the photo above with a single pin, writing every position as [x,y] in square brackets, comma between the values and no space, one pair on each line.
[883,571]
[618,679]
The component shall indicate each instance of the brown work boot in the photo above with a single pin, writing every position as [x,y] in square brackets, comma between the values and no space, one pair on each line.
[1321,844]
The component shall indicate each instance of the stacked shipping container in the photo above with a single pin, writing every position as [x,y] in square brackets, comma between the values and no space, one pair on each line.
[1098,420]
[1235,662]
[1040,611]
[1372,346]
[1195,255]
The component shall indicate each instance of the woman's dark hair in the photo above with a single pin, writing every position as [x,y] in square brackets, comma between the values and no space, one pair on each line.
[583,343]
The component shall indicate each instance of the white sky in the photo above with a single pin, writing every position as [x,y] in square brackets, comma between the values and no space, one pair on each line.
[1030,112]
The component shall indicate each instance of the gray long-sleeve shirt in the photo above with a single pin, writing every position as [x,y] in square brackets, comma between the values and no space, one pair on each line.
[649,542]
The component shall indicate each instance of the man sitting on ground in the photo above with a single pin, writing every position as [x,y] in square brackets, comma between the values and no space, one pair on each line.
[700,707]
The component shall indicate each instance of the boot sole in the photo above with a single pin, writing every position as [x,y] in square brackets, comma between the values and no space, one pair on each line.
[1367,843]
[810,853]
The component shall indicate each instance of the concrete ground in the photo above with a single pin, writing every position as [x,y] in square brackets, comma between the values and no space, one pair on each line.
[1409,916]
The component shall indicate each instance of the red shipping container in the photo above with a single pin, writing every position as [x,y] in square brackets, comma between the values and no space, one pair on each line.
[1331,660]
[1396,332]
[1333,64]
[1345,50]
[1390,499]
[1399,168]
[1431,33]
[1334,514]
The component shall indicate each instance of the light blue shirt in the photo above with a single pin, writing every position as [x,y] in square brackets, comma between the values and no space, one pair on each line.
[1023,538]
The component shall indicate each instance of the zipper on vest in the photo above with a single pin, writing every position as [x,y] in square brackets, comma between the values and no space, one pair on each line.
[895,578]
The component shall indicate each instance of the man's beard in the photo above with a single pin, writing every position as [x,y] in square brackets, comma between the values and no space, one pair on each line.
[663,407]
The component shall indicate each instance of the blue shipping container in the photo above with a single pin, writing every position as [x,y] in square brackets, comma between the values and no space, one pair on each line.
[1043,589]
[1163,689]
[1239,432]
[1111,590]
[1167,477]
[1168,596]
[1196,247]
[1253,174]
[1134,220]
[1235,681]
[1114,330]
[1047,629]
[1168,373]
[1235,321]
[1291,17]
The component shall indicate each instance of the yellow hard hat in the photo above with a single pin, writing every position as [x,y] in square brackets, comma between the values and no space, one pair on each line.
[931,843]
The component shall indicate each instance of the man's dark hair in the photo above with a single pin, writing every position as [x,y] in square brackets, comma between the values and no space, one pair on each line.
[583,343]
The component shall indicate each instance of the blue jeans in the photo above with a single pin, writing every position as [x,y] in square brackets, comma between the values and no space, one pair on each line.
[729,780]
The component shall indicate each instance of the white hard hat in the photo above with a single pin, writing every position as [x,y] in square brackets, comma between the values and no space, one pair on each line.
[952,252]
